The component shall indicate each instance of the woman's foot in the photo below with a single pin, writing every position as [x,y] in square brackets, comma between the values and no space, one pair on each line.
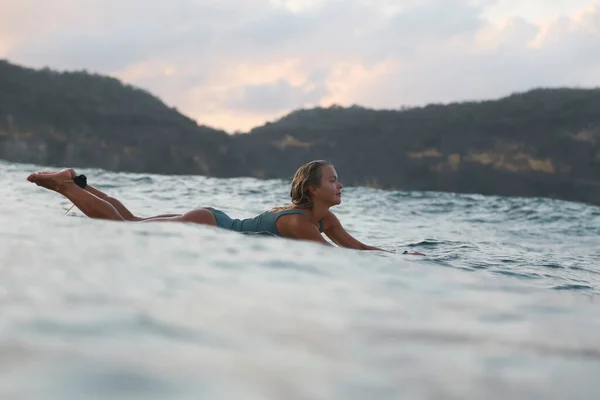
[52,180]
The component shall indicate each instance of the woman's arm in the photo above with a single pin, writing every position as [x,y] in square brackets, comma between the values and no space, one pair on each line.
[338,235]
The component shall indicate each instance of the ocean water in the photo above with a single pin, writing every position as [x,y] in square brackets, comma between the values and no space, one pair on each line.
[504,305]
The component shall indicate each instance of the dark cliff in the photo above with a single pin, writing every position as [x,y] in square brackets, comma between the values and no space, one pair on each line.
[545,142]
[81,119]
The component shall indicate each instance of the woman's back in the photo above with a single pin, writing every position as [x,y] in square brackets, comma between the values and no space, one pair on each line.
[265,222]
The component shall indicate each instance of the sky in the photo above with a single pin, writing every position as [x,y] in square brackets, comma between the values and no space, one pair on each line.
[236,64]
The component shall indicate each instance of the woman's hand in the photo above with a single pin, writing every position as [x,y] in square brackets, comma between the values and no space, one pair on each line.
[414,253]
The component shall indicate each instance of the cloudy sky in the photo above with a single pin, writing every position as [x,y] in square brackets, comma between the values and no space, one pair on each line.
[235,64]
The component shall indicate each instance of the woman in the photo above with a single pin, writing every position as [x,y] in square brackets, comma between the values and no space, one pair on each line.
[315,188]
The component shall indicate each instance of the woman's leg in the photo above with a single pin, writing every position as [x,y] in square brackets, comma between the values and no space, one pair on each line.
[96,207]
[198,216]
[127,215]
[90,205]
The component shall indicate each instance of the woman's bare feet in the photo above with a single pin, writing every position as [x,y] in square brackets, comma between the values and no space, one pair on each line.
[52,180]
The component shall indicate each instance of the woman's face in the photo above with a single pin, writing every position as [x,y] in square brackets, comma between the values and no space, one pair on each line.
[330,191]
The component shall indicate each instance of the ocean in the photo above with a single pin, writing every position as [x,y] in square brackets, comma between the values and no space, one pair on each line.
[504,305]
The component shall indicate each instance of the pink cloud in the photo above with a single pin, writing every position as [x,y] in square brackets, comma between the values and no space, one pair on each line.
[237,63]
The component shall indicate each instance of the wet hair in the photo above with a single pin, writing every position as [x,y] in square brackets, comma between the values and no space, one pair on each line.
[307,175]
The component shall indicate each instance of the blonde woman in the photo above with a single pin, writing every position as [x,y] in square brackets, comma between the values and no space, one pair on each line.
[314,190]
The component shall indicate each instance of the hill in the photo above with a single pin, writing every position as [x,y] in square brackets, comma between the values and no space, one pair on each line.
[544,142]
[76,118]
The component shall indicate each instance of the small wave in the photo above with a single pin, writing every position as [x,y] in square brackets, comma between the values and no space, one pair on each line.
[516,274]
[435,243]
[553,266]
[572,287]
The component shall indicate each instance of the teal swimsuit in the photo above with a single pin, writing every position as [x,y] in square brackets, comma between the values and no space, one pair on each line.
[265,223]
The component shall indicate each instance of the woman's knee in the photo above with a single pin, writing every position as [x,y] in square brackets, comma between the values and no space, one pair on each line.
[199,216]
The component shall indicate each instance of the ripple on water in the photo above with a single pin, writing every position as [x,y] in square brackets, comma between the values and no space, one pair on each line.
[105,309]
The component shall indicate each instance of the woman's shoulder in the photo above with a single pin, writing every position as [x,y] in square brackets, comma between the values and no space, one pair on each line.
[329,221]
[329,215]
[293,214]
